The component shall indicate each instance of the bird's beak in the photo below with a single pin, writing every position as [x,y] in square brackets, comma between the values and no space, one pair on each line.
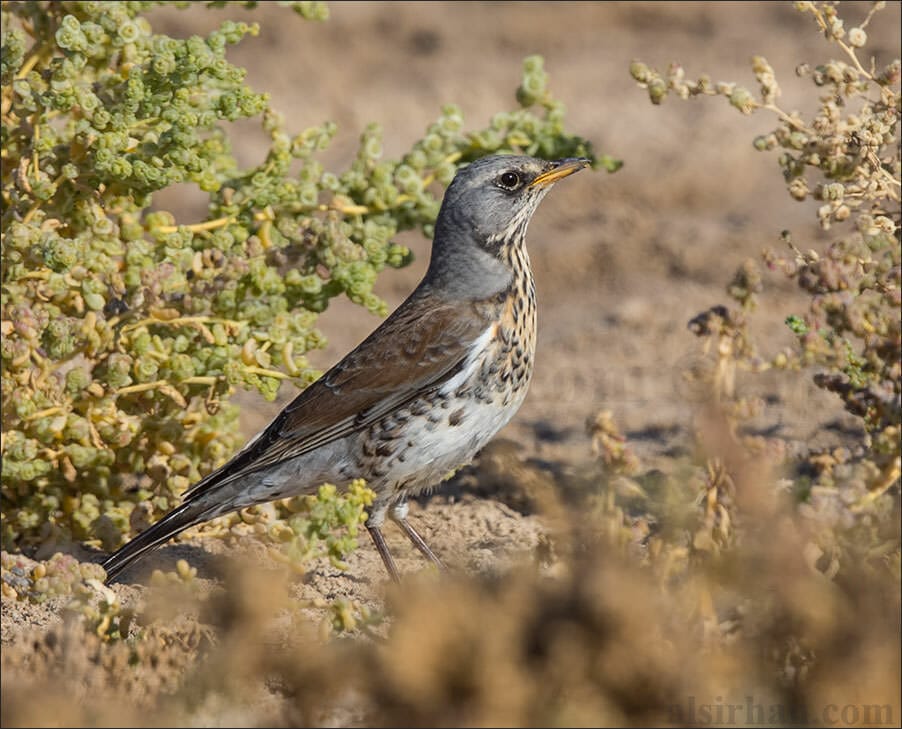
[561,169]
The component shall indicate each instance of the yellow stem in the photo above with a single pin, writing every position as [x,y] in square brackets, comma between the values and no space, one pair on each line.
[197,227]
[263,234]
[44,413]
[864,23]
[851,53]
[267,373]
[30,63]
[785,117]
[6,103]
[145,386]
[348,209]
[886,478]
[34,151]
[184,321]
[30,214]
[95,434]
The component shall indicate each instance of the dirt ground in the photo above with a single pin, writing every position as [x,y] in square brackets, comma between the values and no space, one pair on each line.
[622,262]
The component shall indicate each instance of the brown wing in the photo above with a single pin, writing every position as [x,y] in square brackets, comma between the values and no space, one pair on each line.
[420,346]
[416,349]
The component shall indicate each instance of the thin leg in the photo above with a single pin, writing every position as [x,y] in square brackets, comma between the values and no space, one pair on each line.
[398,514]
[419,543]
[382,548]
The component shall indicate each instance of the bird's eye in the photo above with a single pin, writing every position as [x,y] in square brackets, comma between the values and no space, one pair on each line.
[509,181]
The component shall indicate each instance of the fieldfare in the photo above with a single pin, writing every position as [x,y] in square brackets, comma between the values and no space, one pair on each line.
[424,392]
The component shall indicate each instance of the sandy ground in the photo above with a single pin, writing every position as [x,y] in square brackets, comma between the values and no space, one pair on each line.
[622,262]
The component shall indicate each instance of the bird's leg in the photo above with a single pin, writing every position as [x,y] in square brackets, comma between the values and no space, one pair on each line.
[398,514]
[382,548]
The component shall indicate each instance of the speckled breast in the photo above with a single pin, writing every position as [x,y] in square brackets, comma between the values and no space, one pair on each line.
[419,445]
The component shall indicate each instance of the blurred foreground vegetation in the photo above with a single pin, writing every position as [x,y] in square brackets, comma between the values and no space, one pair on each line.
[743,585]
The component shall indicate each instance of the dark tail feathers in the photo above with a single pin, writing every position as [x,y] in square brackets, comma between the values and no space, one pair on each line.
[176,521]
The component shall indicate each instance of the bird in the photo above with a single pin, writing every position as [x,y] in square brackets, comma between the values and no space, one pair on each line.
[424,392]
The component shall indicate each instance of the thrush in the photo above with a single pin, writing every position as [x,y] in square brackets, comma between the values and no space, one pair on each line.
[421,394]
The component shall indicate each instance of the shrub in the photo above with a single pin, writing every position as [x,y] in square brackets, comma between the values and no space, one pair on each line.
[846,159]
[125,330]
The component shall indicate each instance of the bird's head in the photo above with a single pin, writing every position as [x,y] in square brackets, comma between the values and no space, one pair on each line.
[486,210]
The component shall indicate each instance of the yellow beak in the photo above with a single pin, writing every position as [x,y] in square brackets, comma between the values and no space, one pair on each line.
[561,169]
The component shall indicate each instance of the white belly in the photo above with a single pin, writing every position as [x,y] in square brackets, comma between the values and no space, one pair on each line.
[434,450]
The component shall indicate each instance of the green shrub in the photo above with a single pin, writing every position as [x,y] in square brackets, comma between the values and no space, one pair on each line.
[125,330]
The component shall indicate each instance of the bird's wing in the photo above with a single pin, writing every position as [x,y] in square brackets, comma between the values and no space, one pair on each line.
[420,346]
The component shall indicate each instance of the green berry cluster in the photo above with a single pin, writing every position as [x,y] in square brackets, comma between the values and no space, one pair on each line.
[300,529]
[125,330]
[324,524]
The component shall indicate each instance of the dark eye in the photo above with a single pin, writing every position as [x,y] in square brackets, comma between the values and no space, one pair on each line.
[509,181]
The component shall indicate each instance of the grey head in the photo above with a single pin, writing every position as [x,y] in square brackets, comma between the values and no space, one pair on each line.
[481,226]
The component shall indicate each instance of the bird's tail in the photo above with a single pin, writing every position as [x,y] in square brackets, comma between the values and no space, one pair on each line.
[203,501]
[176,521]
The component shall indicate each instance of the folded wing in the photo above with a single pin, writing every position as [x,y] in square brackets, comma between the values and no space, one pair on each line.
[418,348]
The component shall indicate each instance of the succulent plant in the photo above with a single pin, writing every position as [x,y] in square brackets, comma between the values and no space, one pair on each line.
[124,330]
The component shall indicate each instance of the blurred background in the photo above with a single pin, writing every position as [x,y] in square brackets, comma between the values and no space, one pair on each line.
[623,261]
